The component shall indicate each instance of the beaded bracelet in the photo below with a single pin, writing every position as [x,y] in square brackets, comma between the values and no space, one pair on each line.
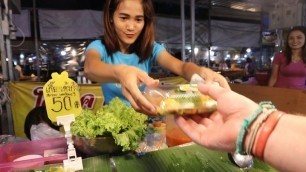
[247,122]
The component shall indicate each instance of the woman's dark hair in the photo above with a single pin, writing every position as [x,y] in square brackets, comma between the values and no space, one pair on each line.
[36,116]
[288,51]
[143,46]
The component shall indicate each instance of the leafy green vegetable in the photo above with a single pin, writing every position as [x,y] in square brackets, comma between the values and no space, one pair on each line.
[127,126]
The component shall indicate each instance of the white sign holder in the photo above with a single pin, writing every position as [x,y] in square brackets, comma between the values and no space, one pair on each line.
[73,162]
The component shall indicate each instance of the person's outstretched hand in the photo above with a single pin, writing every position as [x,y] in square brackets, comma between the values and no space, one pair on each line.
[130,79]
[211,76]
[218,131]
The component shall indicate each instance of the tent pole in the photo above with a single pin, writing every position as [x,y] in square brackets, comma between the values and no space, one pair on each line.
[183,29]
[6,19]
[3,49]
[304,14]
[6,53]
[209,33]
[11,75]
[38,63]
[4,70]
[192,16]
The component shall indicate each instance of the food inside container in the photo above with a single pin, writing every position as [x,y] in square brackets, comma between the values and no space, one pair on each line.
[174,135]
[182,99]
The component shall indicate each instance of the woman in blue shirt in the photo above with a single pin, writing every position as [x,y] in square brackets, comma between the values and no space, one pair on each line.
[122,60]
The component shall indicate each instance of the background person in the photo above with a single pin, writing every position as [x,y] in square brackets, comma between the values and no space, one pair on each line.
[289,67]
[250,72]
[223,65]
[228,62]
[72,67]
[249,67]
[128,51]
[19,74]
[37,125]
[285,147]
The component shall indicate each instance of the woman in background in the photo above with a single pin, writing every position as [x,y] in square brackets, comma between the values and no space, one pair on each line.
[289,67]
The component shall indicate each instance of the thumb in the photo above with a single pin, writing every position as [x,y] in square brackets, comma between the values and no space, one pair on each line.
[212,90]
[148,81]
[153,83]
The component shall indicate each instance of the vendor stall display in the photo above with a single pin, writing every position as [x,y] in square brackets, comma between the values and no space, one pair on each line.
[161,155]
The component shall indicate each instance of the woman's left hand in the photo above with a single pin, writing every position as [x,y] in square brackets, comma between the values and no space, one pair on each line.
[211,76]
[130,79]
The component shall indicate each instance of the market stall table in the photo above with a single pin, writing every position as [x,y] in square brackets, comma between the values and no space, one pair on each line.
[233,74]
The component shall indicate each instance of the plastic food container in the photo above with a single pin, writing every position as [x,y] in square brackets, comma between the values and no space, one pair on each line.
[32,154]
[182,99]
[96,146]
[174,135]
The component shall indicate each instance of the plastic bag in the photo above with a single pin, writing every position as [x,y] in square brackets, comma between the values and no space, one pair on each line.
[4,139]
[44,131]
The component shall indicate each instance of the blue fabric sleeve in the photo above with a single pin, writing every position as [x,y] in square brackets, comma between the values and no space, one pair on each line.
[98,46]
[157,49]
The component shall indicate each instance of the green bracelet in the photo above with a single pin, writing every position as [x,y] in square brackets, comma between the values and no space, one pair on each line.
[247,122]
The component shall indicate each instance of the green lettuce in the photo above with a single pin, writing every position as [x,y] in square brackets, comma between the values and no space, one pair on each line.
[118,120]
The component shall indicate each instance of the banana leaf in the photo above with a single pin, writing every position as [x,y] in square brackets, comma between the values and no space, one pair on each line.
[190,158]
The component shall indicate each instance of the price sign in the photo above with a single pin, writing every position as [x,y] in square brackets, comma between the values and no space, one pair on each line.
[61,96]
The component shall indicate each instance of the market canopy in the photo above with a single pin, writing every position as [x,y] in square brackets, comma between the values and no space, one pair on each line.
[87,24]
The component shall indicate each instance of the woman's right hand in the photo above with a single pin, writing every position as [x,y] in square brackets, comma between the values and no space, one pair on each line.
[220,130]
[130,79]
